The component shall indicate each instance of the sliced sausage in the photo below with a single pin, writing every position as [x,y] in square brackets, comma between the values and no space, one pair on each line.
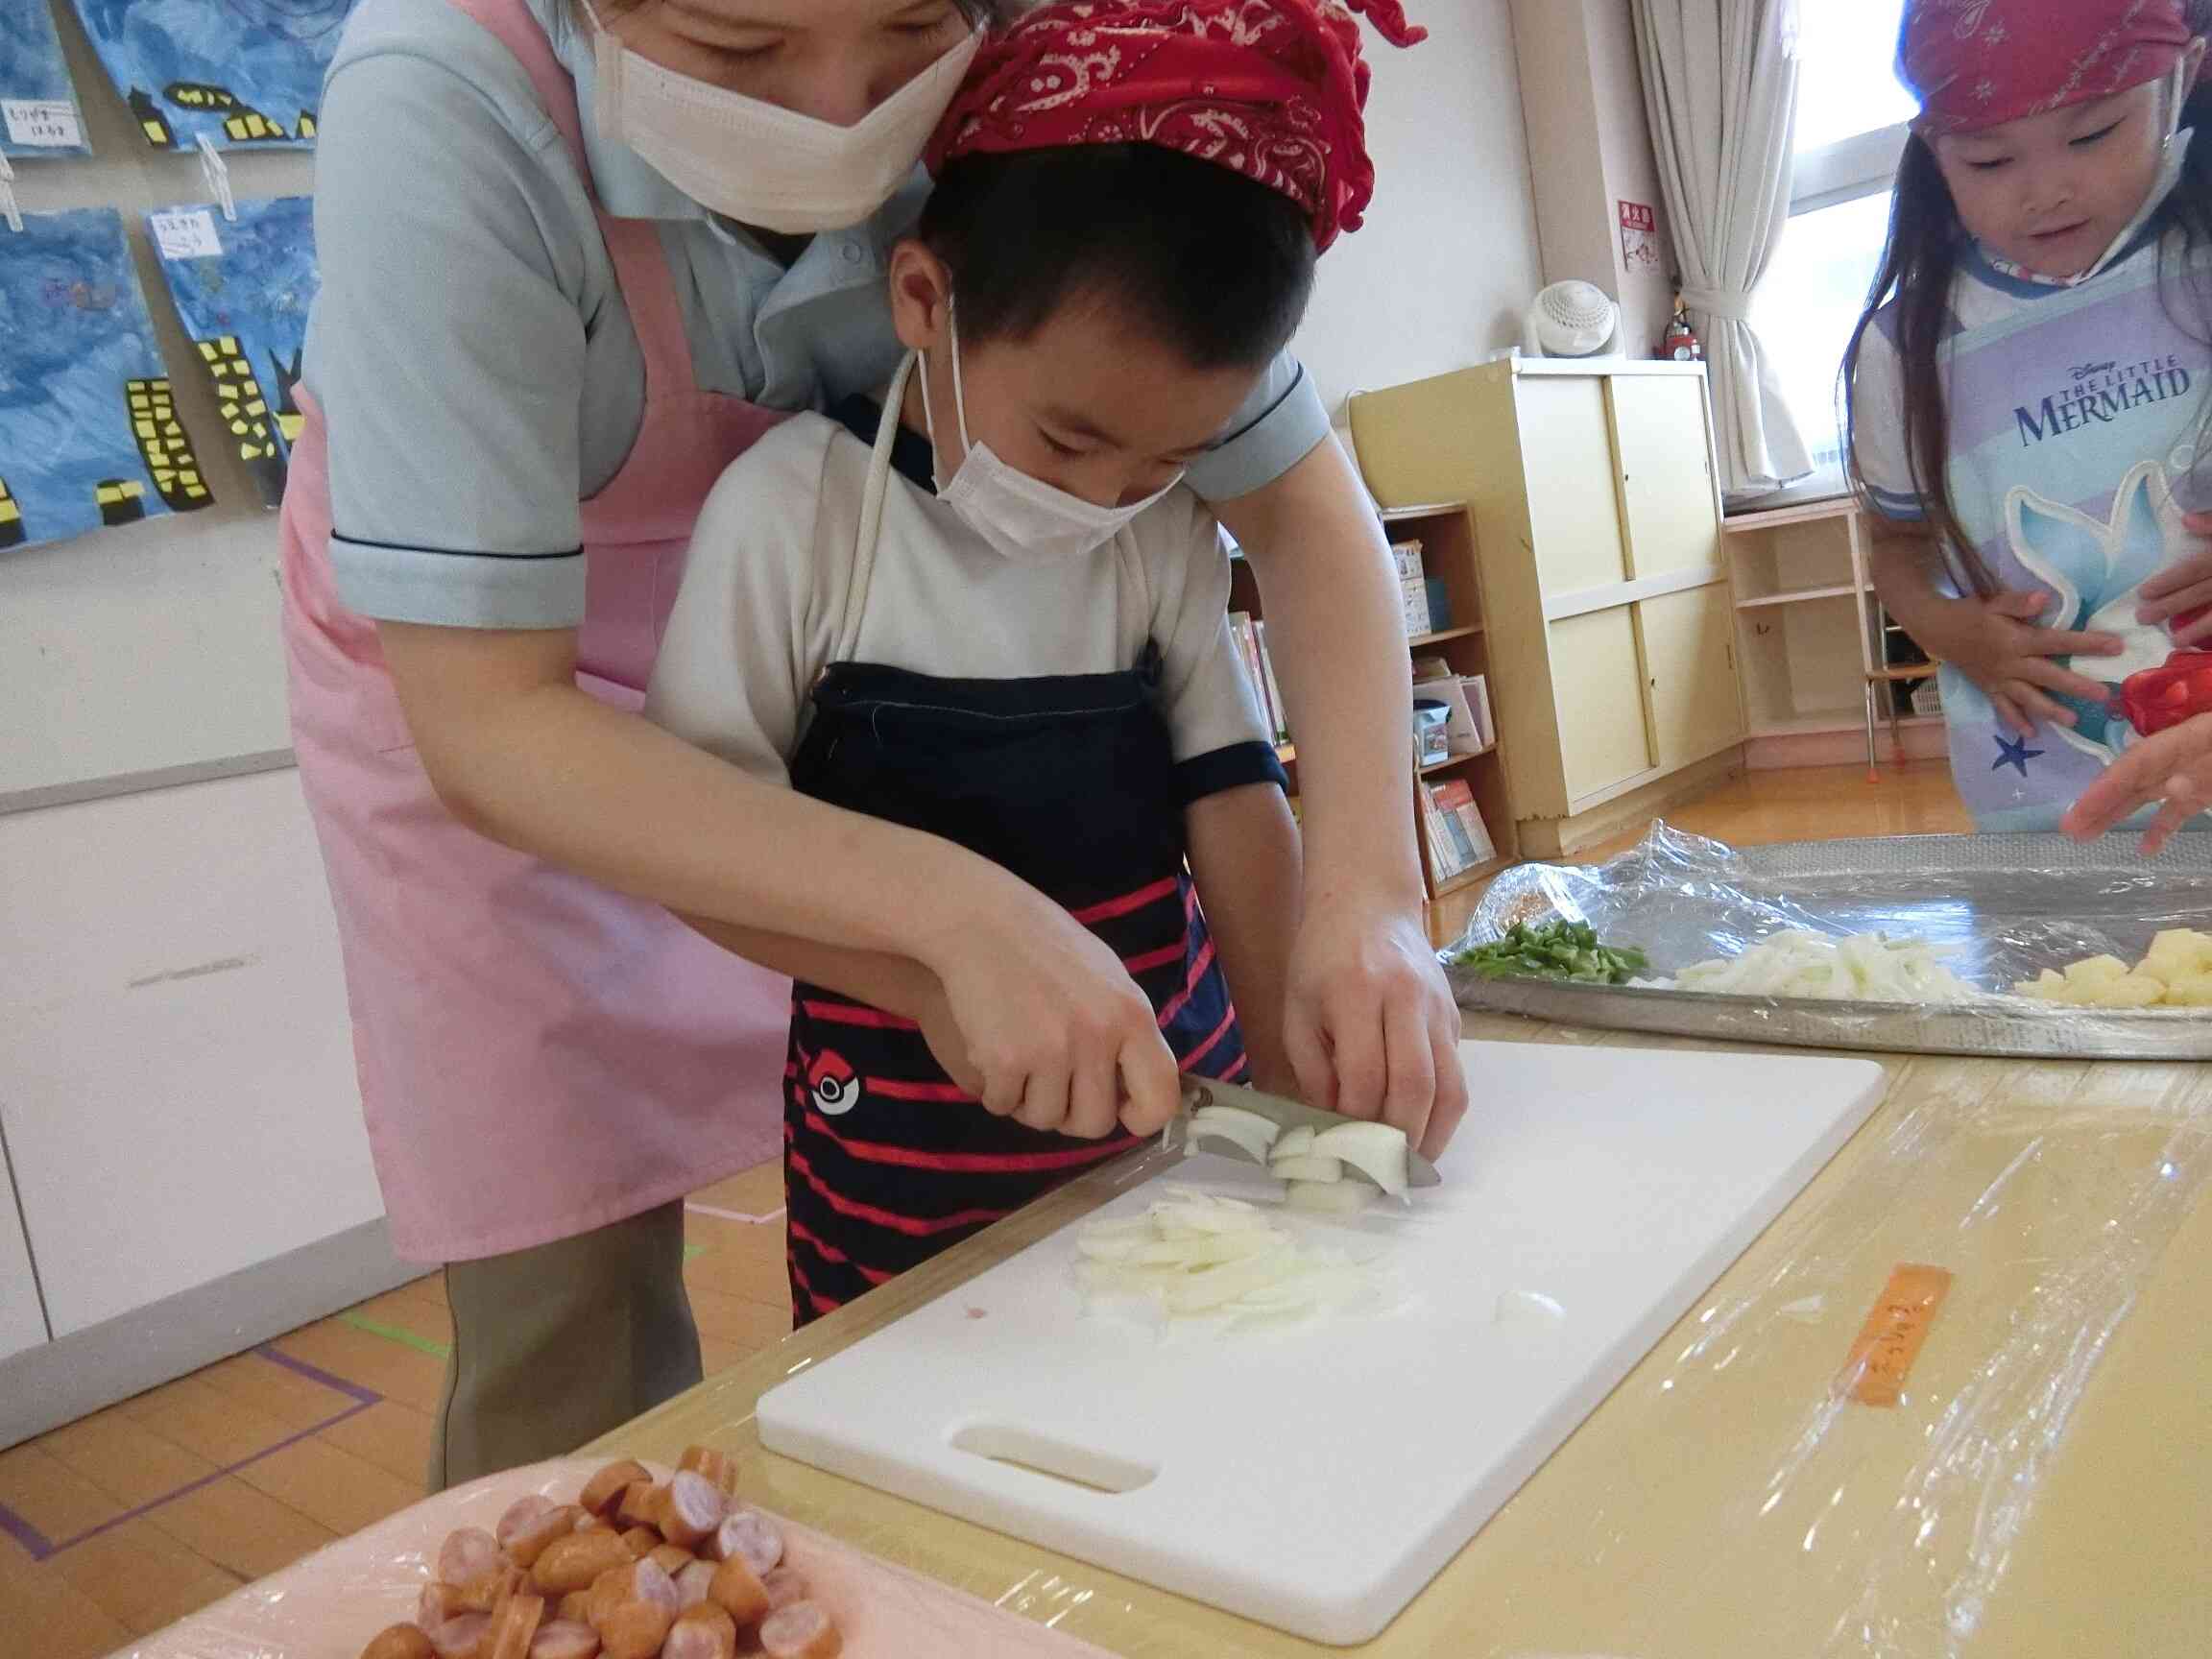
[783,1585]
[519,1514]
[465,1636]
[572,1609]
[671,1558]
[691,1508]
[485,1594]
[439,1602]
[641,1542]
[573,1562]
[649,1581]
[750,1537]
[736,1590]
[468,1555]
[641,1505]
[635,1630]
[402,1641]
[564,1639]
[703,1632]
[691,1583]
[515,1625]
[524,1538]
[605,1489]
[716,1466]
[802,1631]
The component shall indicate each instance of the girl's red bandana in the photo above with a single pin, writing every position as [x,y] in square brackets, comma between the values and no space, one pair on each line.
[1980,64]
[1274,89]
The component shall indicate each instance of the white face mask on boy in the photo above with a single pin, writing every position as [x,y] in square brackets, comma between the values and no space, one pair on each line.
[1021,516]
[761,164]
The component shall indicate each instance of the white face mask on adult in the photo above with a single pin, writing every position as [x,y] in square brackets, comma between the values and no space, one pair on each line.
[761,164]
[1021,516]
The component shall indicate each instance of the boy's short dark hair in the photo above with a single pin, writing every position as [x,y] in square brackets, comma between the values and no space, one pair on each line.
[1209,262]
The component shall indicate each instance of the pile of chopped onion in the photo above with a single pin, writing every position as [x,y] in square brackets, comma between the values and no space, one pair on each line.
[1195,1255]
[1860,968]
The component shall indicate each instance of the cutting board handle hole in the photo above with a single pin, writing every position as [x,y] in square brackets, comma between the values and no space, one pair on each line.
[1035,1454]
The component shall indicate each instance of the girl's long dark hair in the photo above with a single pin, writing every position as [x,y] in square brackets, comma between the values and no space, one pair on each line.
[1919,266]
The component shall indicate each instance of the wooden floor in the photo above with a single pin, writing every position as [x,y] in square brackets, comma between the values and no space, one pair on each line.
[115,1525]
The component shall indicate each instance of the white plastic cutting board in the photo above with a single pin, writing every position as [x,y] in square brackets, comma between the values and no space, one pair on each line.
[1242,1469]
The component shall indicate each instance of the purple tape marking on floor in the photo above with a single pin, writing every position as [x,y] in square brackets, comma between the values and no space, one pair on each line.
[41,1548]
[316,1374]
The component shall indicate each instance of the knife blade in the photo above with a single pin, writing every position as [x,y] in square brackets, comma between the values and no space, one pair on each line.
[1199,1093]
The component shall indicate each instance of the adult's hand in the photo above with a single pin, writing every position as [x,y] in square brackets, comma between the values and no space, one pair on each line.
[2171,770]
[1371,1027]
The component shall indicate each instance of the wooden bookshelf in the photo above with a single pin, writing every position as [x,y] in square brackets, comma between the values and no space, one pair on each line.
[1446,532]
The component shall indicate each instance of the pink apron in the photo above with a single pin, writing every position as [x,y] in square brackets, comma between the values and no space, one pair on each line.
[537,1055]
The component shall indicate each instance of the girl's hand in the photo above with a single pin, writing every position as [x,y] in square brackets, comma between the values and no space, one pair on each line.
[2174,768]
[1040,1020]
[2182,587]
[1996,643]
[1371,1027]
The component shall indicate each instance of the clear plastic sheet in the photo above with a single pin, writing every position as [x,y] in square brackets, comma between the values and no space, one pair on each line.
[2039,1493]
[2003,908]
[328,1605]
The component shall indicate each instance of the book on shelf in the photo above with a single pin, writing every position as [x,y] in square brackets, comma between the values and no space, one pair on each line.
[1446,858]
[1415,592]
[1277,710]
[1452,802]
[1406,556]
[1478,690]
[1250,637]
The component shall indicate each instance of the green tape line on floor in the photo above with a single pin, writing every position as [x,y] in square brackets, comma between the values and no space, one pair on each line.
[392,1333]
[691,1252]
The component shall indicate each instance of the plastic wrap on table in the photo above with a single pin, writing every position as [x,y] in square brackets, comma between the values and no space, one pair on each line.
[328,1605]
[2000,909]
[1730,1498]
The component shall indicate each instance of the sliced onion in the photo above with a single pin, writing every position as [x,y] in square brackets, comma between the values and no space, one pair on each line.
[1195,1255]
[1375,1149]
[1291,1144]
[1307,1168]
[1329,1198]
[1248,1130]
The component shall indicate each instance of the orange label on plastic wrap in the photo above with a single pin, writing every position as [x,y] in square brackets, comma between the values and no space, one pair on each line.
[1895,1328]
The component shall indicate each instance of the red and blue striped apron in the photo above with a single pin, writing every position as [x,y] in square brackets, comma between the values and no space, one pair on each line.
[1071,784]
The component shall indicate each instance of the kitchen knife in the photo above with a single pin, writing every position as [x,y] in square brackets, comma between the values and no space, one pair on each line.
[1199,1093]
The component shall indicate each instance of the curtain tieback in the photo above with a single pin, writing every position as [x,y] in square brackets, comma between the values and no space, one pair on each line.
[1721,303]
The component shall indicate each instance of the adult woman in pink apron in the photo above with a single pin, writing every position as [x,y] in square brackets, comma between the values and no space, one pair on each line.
[572,267]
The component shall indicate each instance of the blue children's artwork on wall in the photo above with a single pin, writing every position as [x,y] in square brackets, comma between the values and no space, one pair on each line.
[38,114]
[89,434]
[242,290]
[244,73]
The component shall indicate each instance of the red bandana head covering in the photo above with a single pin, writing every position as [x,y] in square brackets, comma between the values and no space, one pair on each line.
[1980,64]
[1273,89]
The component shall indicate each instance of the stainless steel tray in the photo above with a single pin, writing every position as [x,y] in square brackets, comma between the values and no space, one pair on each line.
[2005,906]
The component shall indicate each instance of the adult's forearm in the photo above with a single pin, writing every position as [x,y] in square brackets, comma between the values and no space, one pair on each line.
[1335,632]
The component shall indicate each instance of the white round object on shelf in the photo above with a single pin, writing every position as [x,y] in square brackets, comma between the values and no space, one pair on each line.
[1573,320]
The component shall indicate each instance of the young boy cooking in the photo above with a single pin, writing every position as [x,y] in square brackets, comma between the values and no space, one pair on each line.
[986,609]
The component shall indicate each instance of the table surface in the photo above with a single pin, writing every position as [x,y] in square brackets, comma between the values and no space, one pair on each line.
[2039,1492]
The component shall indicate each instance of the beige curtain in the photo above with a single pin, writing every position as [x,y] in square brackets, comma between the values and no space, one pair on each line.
[1720,87]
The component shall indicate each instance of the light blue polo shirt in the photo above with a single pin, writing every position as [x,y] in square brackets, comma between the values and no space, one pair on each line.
[474,358]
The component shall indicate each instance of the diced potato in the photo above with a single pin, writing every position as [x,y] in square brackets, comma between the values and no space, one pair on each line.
[2194,991]
[2128,991]
[2049,986]
[2177,953]
[2097,971]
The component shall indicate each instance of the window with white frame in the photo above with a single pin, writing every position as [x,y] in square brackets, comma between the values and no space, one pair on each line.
[1851,120]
